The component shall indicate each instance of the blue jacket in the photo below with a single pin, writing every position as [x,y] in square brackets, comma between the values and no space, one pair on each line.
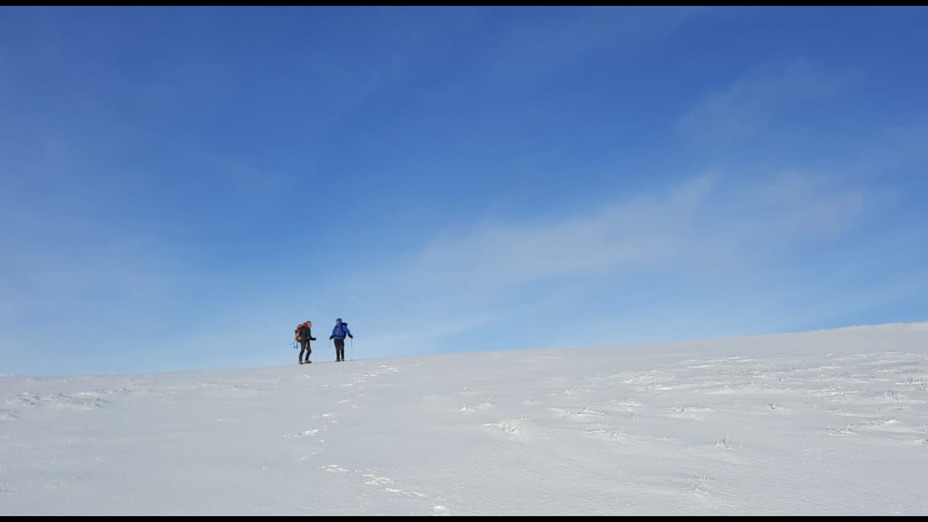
[341,330]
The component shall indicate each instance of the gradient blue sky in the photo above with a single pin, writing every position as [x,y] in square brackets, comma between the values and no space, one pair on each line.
[179,186]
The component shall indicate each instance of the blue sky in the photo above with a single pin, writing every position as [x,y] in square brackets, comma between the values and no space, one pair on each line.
[179,186]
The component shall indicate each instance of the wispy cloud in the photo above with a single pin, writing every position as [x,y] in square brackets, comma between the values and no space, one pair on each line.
[756,100]
[670,230]
[712,229]
[555,37]
[640,231]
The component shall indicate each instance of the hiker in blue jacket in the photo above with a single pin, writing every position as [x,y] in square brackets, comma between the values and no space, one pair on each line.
[338,334]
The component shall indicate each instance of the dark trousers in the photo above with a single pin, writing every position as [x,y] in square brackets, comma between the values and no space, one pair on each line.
[304,348]
[339,349]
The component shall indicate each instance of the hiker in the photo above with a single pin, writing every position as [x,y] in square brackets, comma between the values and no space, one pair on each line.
[339,333]
[304,334]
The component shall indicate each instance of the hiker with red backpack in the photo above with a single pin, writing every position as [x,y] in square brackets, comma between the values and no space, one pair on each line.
[304,335]
[339,332]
